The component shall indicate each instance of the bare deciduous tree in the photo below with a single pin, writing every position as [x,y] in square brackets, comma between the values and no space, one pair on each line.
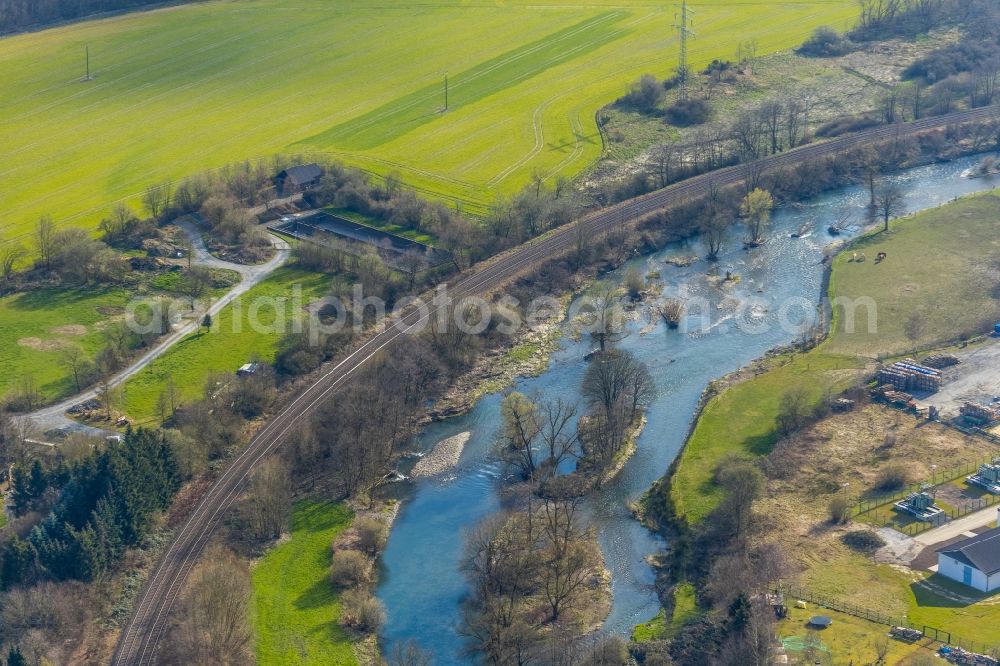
[372,535]
[556,417]
[616,387]
[607,326]
[74,359]
[10,254]
[714,229]
[195,283]
[568,558]
[269,500]
[212,626]
[409,653]
[889,201]
[664,159]
[743,483]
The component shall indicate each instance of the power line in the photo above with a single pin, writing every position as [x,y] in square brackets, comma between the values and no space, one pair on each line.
[685,31]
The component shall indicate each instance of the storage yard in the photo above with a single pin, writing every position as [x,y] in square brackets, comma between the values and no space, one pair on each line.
[969,388]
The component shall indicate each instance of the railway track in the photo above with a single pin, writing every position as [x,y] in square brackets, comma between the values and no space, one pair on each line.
[140,638]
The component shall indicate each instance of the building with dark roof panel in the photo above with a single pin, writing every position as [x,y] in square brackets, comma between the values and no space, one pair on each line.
[974,562]
[297,178]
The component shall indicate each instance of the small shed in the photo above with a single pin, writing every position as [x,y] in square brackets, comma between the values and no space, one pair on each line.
[298,178]
[248,369]
[974,562]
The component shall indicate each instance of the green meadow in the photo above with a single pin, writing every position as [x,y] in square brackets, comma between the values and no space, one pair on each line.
[37,327]
[294,606]
[194,87]
[233,340]
[958,244]
[742,419]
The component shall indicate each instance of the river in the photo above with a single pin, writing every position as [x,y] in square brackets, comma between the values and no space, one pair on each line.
[421,584]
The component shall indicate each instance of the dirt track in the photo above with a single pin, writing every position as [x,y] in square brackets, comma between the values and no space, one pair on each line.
[54,416]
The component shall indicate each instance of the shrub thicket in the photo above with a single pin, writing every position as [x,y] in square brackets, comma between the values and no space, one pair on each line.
[825,42]
[687,112]
[863,541]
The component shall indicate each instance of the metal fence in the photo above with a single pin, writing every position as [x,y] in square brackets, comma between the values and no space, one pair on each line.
[930,633]
[824,601]
[913,529]
[866,505]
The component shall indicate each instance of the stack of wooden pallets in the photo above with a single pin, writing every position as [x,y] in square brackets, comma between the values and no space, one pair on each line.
[939,361]
[908,375]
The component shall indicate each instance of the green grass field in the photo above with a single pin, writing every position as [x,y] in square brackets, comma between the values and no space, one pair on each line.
[36,327]
[232,342]
[849,640]
[294,606]
[194,87]
[741,421]
[958,244]
[920,597]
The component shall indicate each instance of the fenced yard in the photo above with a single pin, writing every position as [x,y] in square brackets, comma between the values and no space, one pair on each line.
[930,634]
[953,495]
[354,237]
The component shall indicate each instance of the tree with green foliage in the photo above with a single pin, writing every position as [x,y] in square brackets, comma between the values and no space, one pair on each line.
[17,562]
[740,612]
[756,208]
[520,428]
[104,504]
[27,487]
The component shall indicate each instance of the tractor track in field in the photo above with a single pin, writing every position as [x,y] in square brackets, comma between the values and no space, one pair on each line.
[465,79]
[117,80]
[537,125]
[149,619]
[267,56]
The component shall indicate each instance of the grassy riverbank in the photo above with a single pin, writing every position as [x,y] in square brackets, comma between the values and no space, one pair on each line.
[937,284]
[295,607]
[941,266]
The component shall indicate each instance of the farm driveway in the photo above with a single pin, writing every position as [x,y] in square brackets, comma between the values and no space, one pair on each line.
[54,416]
